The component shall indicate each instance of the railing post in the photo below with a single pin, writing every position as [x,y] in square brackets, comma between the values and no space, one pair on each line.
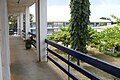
[47,52]
[78,62]
[68,66]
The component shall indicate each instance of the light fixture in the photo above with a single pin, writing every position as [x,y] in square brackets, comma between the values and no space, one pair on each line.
[18,1]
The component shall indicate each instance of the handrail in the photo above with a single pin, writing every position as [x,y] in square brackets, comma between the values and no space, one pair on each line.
[73,65]
[62,68]
[23,33]
[34,41]
[100,64]
[34,35]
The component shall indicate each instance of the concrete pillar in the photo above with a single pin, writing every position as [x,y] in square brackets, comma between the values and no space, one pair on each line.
[27,22]
[1,76]
[41,22]
[4,40]
[21,23]
[18,25]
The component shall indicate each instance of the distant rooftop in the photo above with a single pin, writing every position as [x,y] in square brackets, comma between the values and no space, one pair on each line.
[67,20]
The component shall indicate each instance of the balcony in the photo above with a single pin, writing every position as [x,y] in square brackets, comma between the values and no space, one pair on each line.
[35,64]
[24,65]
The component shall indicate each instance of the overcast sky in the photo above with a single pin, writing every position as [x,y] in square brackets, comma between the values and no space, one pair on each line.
[59,9]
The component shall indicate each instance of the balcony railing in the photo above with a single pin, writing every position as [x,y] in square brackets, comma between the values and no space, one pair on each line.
[100,64]
[33,36]
[23,33]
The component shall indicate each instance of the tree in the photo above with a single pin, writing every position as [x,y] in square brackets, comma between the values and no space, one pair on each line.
[93,37]
[31,18]
[13,21]
[79,21]
[117,19]
[62,36]
[80,12]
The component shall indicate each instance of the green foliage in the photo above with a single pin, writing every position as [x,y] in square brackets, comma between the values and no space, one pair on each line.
[101,24]
[13,21]
[31,18]
[117,19]
[106,40]
[62,36]
[62,28]
[110,36]
[80,12]
[92,39]
[115,54]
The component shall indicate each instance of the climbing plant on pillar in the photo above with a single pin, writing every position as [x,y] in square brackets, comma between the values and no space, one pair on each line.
[80,12]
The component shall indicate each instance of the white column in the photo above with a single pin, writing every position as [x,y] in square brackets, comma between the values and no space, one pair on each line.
[1,77]
[27,22]
[21,23]
[4,38]
[18,24]
[41,22]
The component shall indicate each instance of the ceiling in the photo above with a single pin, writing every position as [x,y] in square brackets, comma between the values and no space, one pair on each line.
[17,6]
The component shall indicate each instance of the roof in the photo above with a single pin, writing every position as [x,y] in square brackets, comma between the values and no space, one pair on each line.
[61,19]
[100,20]
[105,27]
[101,28]
[17,6]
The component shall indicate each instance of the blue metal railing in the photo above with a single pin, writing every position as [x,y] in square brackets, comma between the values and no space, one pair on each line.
[34,35]
[33,38]
[100,64]
[107,67]
[23,33]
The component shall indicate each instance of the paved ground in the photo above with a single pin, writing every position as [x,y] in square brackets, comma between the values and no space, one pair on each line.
[24,65]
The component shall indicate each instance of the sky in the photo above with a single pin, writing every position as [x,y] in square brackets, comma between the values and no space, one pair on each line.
[58,10]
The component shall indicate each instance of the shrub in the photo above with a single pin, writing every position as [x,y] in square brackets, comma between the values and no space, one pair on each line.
[114,54]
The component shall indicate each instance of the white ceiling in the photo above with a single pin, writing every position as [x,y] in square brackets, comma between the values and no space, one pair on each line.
[15,7]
